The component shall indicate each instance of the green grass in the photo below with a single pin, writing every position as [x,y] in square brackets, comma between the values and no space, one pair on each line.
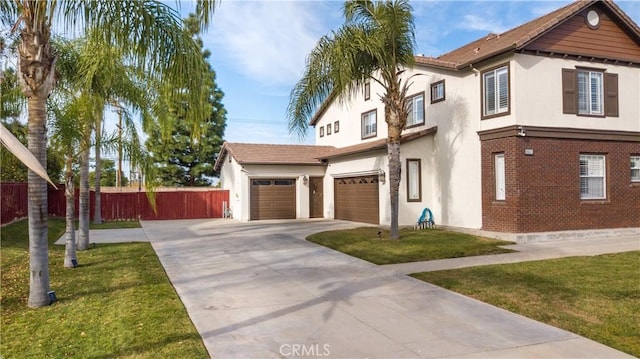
[596,297]
[117,303]
[113,224]
[413,245]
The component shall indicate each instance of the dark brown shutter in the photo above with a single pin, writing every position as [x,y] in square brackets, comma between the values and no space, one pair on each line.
[611,95]
[569,91]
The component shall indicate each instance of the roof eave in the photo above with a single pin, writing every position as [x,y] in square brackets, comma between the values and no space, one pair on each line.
[221,155]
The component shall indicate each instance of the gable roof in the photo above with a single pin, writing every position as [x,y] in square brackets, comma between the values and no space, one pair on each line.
[514,39]
[254,153]
[519,37]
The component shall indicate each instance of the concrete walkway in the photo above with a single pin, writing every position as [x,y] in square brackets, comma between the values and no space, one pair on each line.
[259,290]
[120,235]
[529,252]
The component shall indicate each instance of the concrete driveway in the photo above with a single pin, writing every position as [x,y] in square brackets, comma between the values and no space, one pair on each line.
[259,290]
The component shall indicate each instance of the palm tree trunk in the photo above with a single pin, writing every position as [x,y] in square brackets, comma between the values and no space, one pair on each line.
[83,237]
[70,256]
[97,213]
[395,173]
[37,211]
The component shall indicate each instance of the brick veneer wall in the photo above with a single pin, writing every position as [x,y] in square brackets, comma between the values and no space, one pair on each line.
[543,189]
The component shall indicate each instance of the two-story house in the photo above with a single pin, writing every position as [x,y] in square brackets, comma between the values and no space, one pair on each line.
[536,129]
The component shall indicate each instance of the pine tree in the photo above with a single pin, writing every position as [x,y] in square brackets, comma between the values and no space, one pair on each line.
[185,155]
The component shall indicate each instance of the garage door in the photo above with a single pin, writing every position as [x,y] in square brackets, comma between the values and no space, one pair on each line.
[273,199]
[356,199]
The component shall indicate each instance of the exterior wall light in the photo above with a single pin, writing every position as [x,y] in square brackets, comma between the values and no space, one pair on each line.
[305,180]
[381,177]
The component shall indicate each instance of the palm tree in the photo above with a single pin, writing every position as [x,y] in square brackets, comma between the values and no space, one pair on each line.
[150,32]
[67,135]
[375,43]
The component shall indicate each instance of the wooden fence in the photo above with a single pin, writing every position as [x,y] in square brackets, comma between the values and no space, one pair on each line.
[189,204]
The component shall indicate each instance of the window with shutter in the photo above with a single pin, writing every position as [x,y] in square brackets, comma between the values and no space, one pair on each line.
[437,91]
[569,91]
[589,92]
[611,95]
[635,168]
[500,177]
[369,124]
[495,92]
[416,110]
[592,177]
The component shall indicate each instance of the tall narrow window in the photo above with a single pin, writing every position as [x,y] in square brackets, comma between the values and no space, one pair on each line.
[500,177]
[369,124]
[367,91]
[437,91]
[590,93]
[495,85]
[635,168]
[592,177]
[416,110]
[414,180]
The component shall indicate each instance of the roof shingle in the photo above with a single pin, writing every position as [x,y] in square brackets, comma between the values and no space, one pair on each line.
[254,153]
[516,38]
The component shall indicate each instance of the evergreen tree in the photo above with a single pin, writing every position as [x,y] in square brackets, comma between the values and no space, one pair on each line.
[109,174]
[185,154]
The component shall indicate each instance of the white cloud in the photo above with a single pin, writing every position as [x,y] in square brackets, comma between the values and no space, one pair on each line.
[267,41]
[482,23]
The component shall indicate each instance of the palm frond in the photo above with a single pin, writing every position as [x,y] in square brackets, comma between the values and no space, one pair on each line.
[377,40]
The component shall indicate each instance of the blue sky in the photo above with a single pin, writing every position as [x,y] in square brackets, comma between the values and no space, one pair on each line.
[259,49]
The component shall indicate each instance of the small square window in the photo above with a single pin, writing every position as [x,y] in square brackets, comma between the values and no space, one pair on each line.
[336,127]
[369,124]
[328,129]
[437,91]
[321,131]
[635,168]
[367,91]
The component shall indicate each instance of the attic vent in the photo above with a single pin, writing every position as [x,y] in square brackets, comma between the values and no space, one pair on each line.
[476,50]
[490,36]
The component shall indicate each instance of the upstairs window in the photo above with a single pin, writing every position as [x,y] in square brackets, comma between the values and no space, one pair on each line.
[635,168]
[369,124]
[367,91]
[590,89]
[589,92]
[416,110]
[592,177]
[321,131]
[437,91]
[495,92]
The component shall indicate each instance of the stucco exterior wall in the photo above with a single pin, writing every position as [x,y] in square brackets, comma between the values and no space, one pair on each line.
[231,180]
[537,93]
[237,179]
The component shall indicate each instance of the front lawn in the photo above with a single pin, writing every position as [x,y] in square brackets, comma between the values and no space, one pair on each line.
[413,245]
[115,225]
[596,297]
[117,303]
